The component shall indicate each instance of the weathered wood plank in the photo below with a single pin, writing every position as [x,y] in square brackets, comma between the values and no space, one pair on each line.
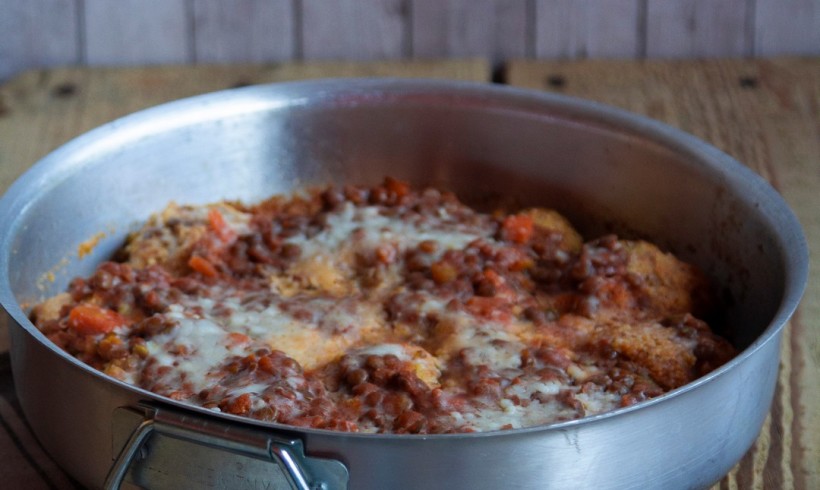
[795,149]
[243,30]
[569,29]
[766,113]
[38,33]
[497,29]
[787,27]
[43,33]
[697,29]
[354,29]
[132,32]
[14,426]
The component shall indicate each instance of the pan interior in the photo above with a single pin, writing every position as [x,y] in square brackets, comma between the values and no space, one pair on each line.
[605,171]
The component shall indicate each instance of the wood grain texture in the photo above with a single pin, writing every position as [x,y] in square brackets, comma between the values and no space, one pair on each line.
[570,29]
[128,32]
[787,27]
[697,29]
[44,33]
[354,29]
[243,30]
[38,33]
[765,113]
[497,29]
[14,426]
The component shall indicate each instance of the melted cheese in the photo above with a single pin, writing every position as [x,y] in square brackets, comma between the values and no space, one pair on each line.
[333,299]
[368,226]
[321,331]
[194,347]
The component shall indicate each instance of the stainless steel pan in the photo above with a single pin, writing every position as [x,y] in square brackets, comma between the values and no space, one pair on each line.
[606,169]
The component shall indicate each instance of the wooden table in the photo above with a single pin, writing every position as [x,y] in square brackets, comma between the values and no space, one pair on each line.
[766,113]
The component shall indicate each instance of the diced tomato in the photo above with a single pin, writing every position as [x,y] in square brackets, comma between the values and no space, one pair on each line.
[492,308]
[236,338]
[517,228]
[522,264]
[494,278]
[203,266]
[241,405]
[386,254]
[396,186]
[219,226]
[267,365]
[89,319]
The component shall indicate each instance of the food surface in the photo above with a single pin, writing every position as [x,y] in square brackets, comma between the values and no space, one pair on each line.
[388,309]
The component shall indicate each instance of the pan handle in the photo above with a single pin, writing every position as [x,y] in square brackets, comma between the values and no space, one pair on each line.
[294,468]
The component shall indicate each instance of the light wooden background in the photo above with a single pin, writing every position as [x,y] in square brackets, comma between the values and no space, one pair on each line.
[45,33]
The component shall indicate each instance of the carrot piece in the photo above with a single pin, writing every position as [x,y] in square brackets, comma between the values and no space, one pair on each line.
[517,228]
[220,226]
[203,266]
[88,319]
[236,338]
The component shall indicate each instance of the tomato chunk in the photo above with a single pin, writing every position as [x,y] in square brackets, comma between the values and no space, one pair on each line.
[89,319]
[397,186]
[517,228]
[236,338]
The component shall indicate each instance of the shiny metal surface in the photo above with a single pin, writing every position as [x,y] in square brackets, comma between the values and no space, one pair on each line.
[607,170]
[167,448]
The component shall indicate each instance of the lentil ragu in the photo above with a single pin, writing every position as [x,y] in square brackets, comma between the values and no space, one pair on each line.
[388,309]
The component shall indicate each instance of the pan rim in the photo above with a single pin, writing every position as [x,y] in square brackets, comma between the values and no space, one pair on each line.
[65,160]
